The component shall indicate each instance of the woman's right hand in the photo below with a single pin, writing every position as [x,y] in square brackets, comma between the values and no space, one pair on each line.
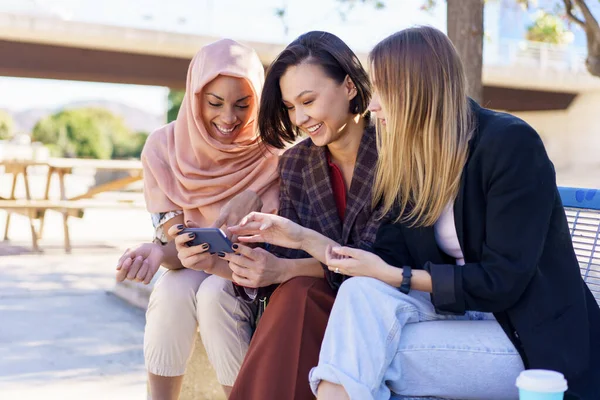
[269,228]
[236,209]
[140,263]
[195,257]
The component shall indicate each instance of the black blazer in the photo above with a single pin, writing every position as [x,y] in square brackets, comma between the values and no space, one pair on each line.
[520,262]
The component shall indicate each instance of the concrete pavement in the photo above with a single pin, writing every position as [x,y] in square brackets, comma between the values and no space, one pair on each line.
[63,334]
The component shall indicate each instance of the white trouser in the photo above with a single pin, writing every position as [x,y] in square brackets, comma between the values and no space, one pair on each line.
[181,301]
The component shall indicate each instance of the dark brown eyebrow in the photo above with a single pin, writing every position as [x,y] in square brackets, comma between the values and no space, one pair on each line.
[303,93]
[222,99]
[212,94]
[300,95]
[244,98]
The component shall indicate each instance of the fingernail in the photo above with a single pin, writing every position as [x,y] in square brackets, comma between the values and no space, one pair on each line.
[205,246]
[180,227]
[191,235]
[221,254]
[235,246]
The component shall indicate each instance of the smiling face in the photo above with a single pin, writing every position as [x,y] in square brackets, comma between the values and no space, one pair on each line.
[226,105]
[317,104]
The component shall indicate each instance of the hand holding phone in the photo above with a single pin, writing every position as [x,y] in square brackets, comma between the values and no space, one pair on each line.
[214,237]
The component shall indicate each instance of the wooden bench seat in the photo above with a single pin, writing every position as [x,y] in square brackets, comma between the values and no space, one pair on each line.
[36,209]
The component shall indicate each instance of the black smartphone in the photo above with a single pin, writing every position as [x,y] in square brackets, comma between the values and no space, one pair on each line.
[215,238]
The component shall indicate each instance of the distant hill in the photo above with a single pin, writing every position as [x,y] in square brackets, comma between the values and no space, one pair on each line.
[26,120]
[135,119]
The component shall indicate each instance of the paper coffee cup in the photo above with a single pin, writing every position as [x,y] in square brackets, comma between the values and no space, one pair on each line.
[540,384]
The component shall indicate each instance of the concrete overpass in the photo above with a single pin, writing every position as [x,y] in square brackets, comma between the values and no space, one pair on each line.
[44,47]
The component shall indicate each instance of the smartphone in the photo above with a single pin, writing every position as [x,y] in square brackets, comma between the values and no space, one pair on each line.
[215,238]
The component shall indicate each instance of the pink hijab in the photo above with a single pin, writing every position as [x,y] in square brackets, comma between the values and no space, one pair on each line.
[186,169]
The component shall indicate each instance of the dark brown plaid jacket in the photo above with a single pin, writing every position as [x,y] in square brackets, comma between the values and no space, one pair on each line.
[306,197]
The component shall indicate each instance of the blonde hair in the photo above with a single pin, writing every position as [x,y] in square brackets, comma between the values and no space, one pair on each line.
[424,145]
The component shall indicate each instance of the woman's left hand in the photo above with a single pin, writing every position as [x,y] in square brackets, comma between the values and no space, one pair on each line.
[255,268]
[354,262]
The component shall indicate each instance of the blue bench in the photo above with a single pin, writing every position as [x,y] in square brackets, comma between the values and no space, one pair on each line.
[582,207]
[583,213]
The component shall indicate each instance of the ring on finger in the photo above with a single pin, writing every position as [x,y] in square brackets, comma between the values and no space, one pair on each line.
[337,271]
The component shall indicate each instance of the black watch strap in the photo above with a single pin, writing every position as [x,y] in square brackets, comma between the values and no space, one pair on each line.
[406,276]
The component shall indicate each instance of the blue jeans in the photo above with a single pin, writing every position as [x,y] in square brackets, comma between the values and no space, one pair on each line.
[380,341]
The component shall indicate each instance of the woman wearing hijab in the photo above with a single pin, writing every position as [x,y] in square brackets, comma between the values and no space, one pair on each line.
[203,169]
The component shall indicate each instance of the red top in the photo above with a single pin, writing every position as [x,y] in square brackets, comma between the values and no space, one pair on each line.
[339,187]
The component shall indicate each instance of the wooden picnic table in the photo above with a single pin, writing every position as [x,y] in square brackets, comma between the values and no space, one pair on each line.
[36,209]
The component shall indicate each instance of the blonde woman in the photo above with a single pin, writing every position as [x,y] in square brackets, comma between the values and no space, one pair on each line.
[476,278]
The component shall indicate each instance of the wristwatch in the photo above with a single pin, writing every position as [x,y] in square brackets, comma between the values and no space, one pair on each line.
[406,275]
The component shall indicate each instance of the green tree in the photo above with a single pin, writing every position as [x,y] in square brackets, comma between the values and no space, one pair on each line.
[131,147]
[122,139]
[589,24]
[7,125]
[89,139]
[139,138]
[548,28]
[474,23]
[465,29]
[174,100]
[85,133]
[89,133]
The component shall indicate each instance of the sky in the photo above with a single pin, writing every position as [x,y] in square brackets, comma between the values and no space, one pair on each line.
[253,20]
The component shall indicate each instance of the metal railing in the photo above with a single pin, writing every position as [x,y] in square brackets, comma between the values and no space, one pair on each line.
[542,56]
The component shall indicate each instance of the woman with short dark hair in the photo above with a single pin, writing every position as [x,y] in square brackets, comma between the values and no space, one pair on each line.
[318,88]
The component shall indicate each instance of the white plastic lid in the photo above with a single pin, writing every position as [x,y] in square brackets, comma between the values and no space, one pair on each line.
[541,380]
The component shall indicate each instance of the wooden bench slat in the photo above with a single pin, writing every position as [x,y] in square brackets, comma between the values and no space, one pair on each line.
[67,204]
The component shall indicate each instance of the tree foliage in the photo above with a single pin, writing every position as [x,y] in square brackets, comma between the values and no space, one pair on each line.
[88,133]
[576,11]
[548,28]
[174,100]
[7,125]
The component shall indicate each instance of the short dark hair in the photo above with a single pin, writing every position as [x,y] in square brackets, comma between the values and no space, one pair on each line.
[318,48]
